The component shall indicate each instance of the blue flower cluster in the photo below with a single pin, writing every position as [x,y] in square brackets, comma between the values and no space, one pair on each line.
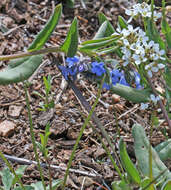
[74,67]
[117,77]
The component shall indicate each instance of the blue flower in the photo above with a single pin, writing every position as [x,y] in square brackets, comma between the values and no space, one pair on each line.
[98,68]
[65,71]
[123,81]
[72,60]
[137,80]
[106,86]
[115,75]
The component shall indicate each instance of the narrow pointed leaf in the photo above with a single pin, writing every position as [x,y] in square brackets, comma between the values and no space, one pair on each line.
[122,22]
[45,33]
[153,33]
[71,42]
[128,164]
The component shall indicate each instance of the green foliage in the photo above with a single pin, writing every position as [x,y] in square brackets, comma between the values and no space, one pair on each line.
[44,140]
[48,102]
[141,147]
[122,22]
[153,33]
[127,163]
[164,150]
[21,69]
[45,33]
[9,181]
[166,185]
[71,42]
[21,72]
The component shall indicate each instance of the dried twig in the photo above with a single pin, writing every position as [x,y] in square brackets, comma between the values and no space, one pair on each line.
[44,165]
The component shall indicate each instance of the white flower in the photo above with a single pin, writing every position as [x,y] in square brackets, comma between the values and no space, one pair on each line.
[136,59]
[154,98]
[157,15]
[144,106]
[150,73]
[161,66]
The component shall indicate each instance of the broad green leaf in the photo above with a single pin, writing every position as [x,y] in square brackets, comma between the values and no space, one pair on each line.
[164,150]
[128,164]
[122,22]
[71,42]
[167,185]
[141,147]
[131,94]
[45,33]
[21,72]
[27,187]
[7,178]
[153,33]
[16,62]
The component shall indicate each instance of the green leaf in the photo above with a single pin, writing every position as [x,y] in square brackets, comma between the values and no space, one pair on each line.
[145,184]
[47,83]
[7,178]
[106,51]
[27,187]
[122,22]
[45,33]
[141,147]
[167,76]
[166,29]
[153,33]
[128,164]
[38,186]
[21,72]
[131,94]
[167,185]
[106,29]
[70,3]
[94,41]
[164,150]
[71,42]
[20,173]
[97,45]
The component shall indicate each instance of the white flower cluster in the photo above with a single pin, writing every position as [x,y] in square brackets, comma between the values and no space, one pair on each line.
[142,9]
[153,98]
[138,49]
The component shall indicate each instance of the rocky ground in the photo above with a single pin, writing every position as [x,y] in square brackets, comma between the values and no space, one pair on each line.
[20,21]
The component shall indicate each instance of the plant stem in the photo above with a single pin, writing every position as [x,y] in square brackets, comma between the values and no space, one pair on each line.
[31,53]
[33,137]
[161,106]
[12,170]
[80,135]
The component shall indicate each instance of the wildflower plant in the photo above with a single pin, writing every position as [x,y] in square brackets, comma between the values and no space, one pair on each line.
[140,56]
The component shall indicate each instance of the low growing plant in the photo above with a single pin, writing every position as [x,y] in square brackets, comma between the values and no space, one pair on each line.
[141,56]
